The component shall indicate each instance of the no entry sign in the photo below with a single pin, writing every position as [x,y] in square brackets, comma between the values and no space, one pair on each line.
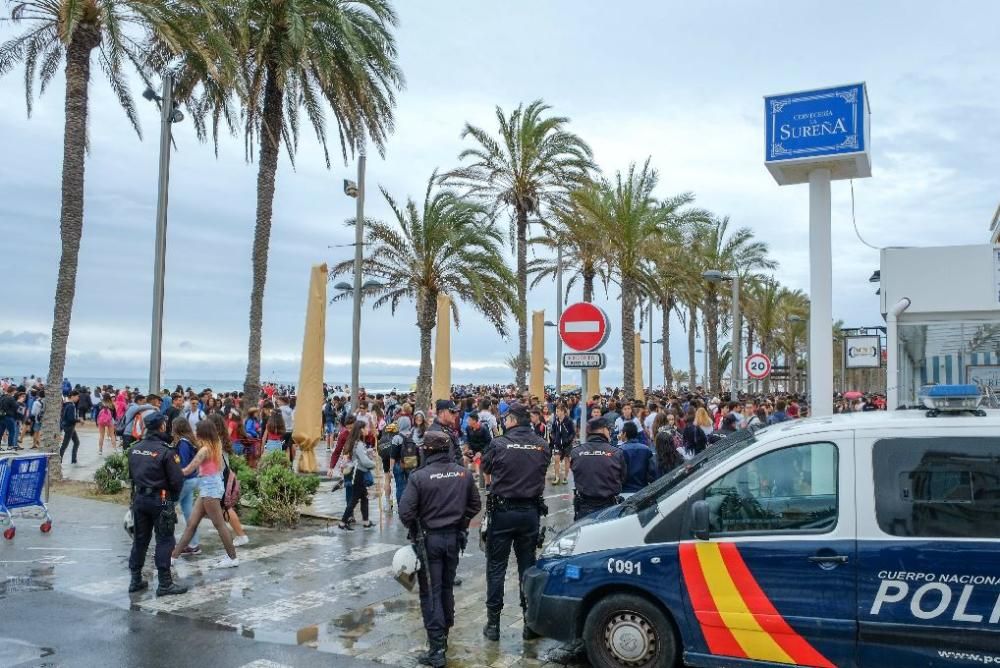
[584,327]
[758,366]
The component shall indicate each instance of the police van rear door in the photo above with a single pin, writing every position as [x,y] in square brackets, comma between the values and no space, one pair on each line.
[775,580]
[929,552]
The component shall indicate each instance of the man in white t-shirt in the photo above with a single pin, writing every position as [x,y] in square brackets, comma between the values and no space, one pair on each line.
[193,413]
[487,418]
[654,409]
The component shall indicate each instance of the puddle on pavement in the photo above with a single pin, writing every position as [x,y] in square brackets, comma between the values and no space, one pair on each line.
[20,583]
[14,652]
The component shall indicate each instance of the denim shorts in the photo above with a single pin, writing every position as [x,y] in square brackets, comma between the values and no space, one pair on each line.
[273,446]
[211,487]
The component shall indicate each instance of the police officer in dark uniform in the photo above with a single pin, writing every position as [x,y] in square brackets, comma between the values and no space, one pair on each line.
[515,464]
[439,501]
[157,480]
[599,470]
[445,421]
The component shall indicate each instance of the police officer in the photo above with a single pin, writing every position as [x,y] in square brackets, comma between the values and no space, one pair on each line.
[446,421]
[157,480]
[515,464]
[599,470]
[439,501]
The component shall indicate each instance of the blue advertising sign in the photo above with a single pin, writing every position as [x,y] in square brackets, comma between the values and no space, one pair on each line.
[816,124]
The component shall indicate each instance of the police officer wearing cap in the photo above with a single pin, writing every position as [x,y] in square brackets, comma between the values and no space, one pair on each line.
[157,480]
[515,464]
[445,421]
[439,501]
[599,470]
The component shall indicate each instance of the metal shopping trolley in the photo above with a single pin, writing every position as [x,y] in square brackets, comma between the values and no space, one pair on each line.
[23,482]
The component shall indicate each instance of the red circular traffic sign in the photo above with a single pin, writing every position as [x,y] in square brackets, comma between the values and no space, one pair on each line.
[758,366]
[584,327]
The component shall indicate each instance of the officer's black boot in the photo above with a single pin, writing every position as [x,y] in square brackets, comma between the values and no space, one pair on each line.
[492,628]
[435,656]
[167,585]
[137,583]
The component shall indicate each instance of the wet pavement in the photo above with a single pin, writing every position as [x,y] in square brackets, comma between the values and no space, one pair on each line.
[315,588]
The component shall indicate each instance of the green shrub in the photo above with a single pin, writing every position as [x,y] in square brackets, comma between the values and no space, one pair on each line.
[112,476]
[274,490]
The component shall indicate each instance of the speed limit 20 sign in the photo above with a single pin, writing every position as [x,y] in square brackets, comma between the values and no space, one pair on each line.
[758,366]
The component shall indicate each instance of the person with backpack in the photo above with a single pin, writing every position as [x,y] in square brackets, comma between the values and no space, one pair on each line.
[211,490]
[231,497]
[193,413]
[68,423]
[404,455]
[184,444]
[360,467]
[8,417]
[695,438]
[37,413]
[134,427]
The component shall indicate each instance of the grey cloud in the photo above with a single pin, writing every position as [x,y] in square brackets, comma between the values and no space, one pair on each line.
[8,337]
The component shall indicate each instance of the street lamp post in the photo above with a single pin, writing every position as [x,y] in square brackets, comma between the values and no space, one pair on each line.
[169,115]
[559,303]
[357,191]
[716,276]
[651,344]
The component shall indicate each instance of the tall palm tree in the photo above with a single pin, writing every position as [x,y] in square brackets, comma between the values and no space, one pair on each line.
[449,246]
[767,296]
[532,164]
[793,330]
[72,34]
[306,55]
[636,220]
[584,247]
[735,253]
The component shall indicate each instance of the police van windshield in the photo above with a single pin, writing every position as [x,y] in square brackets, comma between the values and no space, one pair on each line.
[712,456]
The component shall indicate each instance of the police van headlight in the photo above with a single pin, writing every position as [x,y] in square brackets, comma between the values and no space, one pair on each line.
[563,544]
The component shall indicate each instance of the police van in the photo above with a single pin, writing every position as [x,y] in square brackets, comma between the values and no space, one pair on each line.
[870,539]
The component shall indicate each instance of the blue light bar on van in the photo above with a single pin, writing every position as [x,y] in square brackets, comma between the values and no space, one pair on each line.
[950,397]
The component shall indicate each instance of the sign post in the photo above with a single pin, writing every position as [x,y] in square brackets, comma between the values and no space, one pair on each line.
[814,137]
[584,328]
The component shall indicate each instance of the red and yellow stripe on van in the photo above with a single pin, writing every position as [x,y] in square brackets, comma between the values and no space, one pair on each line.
[736,616]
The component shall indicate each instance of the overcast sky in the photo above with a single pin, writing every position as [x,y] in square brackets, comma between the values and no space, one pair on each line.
[682,82]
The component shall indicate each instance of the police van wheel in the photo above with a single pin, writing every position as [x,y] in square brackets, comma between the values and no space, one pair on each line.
[627,631]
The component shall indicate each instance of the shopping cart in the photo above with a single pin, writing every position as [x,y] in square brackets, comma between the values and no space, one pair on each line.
[23,482]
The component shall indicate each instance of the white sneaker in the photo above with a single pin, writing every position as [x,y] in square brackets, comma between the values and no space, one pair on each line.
[226,562]
[240,541]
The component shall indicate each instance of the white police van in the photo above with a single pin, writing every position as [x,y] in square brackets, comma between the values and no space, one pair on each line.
[870,539]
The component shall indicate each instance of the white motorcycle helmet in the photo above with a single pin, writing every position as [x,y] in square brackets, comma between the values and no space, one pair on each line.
[405,565]
[129,523]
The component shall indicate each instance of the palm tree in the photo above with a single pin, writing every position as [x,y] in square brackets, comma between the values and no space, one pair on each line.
[793,330]
[681,377]
[532,165]
[71,34]
[584,248]
[767,296]
[450,246]
[631,216]
[735,253]
[301,56]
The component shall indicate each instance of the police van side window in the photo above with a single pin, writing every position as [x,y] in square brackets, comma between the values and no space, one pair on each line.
[792,490]
[938,487]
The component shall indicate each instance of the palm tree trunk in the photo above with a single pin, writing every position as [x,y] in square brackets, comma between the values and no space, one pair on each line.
[588,284]
[668,369]
[692,334]
[426,320]
[85,39]
[628,339]
[765,347]
[520,377]
[270,146]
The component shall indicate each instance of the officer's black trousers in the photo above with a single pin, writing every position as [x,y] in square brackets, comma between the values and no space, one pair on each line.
[146,513]
[509,528]
[437,601]
[585,509]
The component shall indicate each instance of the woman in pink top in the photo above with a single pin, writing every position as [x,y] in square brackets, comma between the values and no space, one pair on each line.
[208,461]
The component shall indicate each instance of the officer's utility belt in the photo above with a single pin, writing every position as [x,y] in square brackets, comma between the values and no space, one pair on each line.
[444,530]
[581,501]
[148,491]
[501,503]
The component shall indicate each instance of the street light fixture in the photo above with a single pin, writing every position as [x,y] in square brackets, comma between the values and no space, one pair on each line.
[169,114]
[716,276]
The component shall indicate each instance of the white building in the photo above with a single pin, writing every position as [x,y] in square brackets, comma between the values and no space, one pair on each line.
[942,308]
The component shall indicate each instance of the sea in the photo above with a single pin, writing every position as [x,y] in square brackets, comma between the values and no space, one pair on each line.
[216,384]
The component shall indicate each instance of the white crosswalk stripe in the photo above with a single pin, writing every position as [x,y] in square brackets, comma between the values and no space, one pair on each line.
[265,663]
